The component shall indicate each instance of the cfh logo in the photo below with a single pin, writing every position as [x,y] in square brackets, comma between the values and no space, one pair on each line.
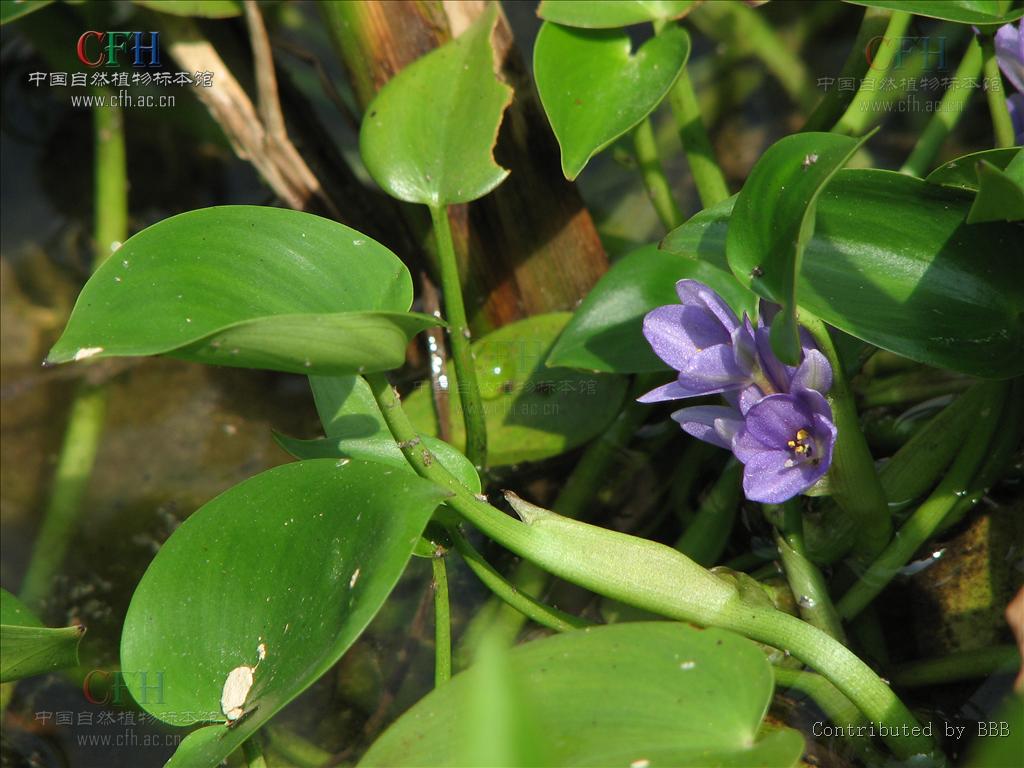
[112,49]
[102,687]
[929,47]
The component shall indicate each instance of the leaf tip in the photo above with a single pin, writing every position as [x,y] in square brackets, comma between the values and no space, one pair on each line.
[528,513]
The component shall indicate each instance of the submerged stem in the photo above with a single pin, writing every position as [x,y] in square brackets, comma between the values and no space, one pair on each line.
[929,516]
[1002,123]
[462,353]
[88,410]
[442,623]
[653,173]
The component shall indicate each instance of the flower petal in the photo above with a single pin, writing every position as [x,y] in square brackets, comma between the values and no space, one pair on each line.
[745,446]
[1010,54]
[695,293]
[814,372]
[713,370]
[777,373]
[715,424]
[815,403]
[777,418]
[767,479]
[825,433]
[663,328]
[671,391]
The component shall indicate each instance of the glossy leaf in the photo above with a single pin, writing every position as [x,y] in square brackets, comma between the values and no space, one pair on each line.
[961,172]
[656,693]
[1000,197]
[963,11]
[15,9]
[594,89]
[356,430]
[251,287]
[28,648]
[209,9]
[298,558]
[611,13]
[428,136]
[773,220]
[606,330]
[533,412]
[894,262]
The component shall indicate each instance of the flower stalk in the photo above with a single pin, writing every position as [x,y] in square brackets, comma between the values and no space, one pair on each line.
[442,622]
[462,353]
[657,578]
[655,181]
[1002,123]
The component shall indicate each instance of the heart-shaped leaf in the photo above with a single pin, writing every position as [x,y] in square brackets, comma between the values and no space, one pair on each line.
[594,88]
[964,11]
[28,648]
[773,220]
[894,262]
[532,412]
[295,561]
[654,693]
[428,135]
[611,13]
[251,287]
[606,330]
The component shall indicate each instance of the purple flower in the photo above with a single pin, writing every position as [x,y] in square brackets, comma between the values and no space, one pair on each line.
[785,445]
[1009,45]
[776,420]
[703,340]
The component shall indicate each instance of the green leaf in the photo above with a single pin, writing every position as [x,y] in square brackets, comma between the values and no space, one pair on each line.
[15,9]
[594,89]
[299,559]
[208,9]
[532,412]
[773,220]
[28,648]
[894,262]
[356,430]
[251,287]
[963,11]
[999,198]
[428,136]
[611,13]
[660,692]
[606,330]
[961,172]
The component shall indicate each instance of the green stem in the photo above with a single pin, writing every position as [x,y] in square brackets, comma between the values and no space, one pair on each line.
[295,749]
[705,537]
[658,188]
[929,516]
[458,327]
[836,101]
[855,483]
[804,578]
[707,175]
[912,471]
[746,29]
[912,387]
[657,578]
[836,707]
[501,622]
[442,623]
[1002,124]
[89,407]
[860,116]
[951,109]
[253,752]
[965,665]
[519,601]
